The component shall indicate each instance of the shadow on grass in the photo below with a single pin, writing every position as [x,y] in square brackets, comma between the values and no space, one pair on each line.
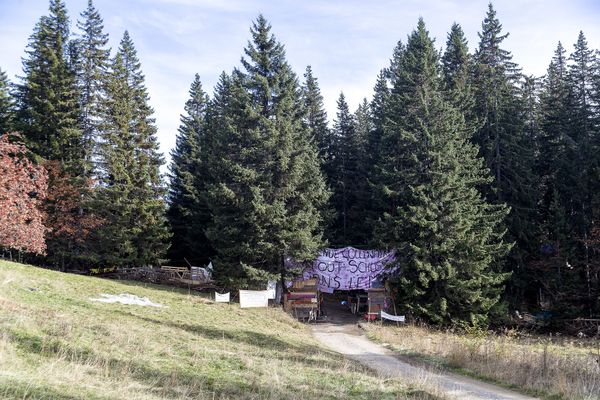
[176,382]
[249,337]
[281,349]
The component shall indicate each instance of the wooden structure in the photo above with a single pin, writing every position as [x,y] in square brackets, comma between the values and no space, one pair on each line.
[194,278]
[358,303]
[376,303]
[191,277]
[303,300]
[176,273]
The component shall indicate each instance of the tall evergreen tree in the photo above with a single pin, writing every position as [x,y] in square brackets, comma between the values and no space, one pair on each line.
[364,121]
[48,100]
[266,170]
[555,100]
[455,60]
[316,117]
[130,197]
[507,151]
[580,78]
[456,69]
[530,95]
[378,111]
[448,237]
[6,105]
[556,150]
[395,61]
[187,212]
[554,139]
[584,131]
[345,178]
[92,65]
[361,209]
[229,180]
[378,106]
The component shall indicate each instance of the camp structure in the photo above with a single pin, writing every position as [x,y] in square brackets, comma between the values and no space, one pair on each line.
[351,277]
[303,300]
[192,277]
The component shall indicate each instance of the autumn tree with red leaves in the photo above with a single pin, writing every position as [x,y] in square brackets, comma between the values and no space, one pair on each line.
[67,218]
[23,187]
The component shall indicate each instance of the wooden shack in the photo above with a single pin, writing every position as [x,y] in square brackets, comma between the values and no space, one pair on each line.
[303,300]
[376,303]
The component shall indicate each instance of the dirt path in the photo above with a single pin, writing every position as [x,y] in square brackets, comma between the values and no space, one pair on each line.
[345,337]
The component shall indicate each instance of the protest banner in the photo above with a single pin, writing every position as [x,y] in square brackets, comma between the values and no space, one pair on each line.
[347,268]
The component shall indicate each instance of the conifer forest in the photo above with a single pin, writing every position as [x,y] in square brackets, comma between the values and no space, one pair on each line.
[485,180]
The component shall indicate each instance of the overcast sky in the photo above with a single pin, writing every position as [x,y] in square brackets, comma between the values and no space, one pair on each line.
[347,42]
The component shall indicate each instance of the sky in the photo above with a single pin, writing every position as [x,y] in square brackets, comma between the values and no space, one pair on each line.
[347,42]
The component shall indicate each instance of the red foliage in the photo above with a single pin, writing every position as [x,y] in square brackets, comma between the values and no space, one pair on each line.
[66,218]
[23,187]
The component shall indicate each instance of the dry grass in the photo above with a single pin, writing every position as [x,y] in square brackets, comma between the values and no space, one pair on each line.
[558,368]
[57,344]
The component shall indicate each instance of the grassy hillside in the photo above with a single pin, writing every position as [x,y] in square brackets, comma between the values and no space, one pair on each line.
[57,344]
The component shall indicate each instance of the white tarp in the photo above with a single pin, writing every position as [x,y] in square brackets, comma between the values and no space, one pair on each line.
[126,298]
[272,289]
[397,318]
[254,298]
[222,298]
[201,274]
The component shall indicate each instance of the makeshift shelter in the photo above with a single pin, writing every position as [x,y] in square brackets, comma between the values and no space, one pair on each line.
[358,272]
[303,300]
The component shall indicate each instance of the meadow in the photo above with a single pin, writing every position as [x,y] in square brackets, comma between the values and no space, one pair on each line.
[55,343]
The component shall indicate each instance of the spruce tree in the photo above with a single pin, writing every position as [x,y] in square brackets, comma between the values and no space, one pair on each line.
[92,67]
[345,178]
[506,149]
[316,117]
[583,184]
[6,105]
[361,209]
[266,189]
[395,62]
[130,196]
[456,70]
[581,129]
[230,179]
[316,120]
[364,120]
[49,116]
[187,212]
[373,207]
[381,94]
[556,149]
[48,99]
[554,139]
[447,235]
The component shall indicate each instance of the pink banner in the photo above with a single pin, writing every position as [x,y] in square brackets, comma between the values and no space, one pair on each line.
[345,269]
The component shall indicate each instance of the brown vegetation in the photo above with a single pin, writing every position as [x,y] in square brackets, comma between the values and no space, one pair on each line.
[565,367]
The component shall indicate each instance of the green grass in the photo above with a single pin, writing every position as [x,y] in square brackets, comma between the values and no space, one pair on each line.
[57,344]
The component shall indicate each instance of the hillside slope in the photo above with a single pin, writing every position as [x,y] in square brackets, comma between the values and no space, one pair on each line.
[55,343]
